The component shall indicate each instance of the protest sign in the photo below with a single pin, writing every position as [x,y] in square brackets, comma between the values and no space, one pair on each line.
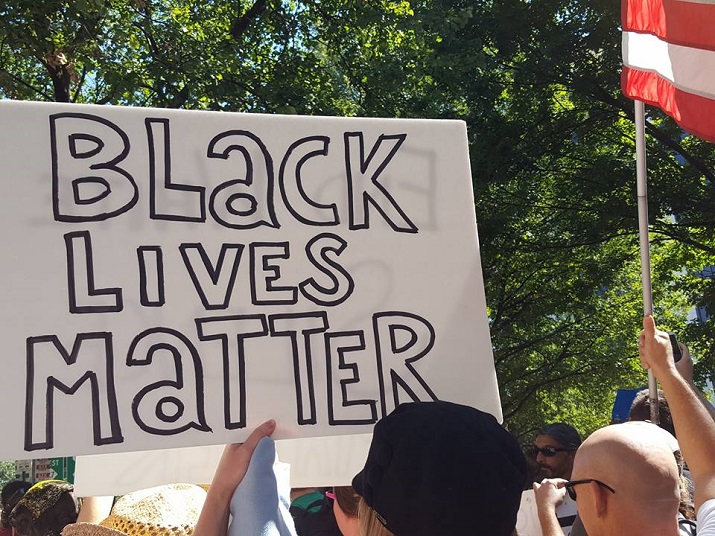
[314,462]
[174,278]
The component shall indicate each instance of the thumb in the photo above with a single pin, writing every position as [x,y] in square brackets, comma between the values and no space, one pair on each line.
[649,325]
[264,430]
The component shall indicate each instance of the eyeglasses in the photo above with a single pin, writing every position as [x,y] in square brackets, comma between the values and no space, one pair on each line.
[550,452]
[571,483]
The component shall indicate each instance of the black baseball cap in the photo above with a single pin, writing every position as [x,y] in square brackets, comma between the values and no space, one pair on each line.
[440,469]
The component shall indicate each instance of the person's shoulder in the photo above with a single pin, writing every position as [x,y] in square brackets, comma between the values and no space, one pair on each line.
[706,518]
[707,509]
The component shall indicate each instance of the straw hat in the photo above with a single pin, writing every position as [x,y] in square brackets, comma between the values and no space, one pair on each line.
[89,529]
[170,510]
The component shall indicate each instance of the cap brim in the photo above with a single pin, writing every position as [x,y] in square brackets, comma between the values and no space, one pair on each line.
[357,483]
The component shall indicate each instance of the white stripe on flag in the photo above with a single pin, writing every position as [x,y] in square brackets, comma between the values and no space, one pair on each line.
[689,69]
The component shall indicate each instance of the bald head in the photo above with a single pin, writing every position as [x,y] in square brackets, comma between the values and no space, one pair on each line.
[636,460]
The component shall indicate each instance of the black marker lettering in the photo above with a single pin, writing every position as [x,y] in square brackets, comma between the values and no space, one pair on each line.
[232,331]
[305,324]
[162,192]
[248,202]
[86,298]
[51,367]
[263,291]
[342,283]
[87,183]
[395,356]
[151,276]
[347,411]
[363,185]
[169,407]
[214,285]
[298,203]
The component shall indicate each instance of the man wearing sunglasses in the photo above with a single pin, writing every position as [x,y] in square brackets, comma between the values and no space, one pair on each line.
[555,448]
[625,479]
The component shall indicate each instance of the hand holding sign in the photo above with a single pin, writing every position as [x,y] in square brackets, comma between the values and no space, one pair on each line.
[229,473]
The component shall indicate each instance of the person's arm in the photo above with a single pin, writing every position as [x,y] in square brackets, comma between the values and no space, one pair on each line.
[213,520]
[548,496]
[692,414]
[685,367]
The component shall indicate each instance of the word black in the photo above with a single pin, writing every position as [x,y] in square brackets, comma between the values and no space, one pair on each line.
[89,182]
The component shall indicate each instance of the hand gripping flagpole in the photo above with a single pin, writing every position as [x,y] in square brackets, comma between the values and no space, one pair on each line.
[642,180]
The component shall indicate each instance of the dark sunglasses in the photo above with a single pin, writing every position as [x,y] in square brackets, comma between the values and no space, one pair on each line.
[549,452]
[571,483]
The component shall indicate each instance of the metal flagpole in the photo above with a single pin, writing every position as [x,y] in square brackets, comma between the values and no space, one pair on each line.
[642,182]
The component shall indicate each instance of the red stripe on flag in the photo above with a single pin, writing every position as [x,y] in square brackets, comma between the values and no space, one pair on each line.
[676,21]
[694,113]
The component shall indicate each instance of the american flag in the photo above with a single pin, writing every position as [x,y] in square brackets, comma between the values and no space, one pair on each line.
[669,59]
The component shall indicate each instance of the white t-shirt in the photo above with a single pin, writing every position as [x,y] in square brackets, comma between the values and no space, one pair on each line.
[706,518]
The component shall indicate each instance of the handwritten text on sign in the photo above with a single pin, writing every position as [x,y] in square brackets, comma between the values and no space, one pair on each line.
[174,277]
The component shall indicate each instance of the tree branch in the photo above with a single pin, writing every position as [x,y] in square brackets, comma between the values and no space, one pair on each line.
[27,85]
[241,24]
[681,238]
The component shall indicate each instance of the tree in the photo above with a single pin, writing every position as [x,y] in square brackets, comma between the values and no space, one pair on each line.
[7,472]
[250,56]
[552,154]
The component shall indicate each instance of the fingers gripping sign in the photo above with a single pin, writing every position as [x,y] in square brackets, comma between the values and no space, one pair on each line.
[549,493]
[236,457]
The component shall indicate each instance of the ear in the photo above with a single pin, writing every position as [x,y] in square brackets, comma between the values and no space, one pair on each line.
[600,495]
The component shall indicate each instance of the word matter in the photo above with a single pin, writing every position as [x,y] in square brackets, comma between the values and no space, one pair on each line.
[174,405]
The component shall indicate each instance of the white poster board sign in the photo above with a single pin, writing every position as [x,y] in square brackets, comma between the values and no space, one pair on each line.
[314,462]
[174,278]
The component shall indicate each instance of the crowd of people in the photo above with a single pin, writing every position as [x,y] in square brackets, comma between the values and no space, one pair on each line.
[434,469]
